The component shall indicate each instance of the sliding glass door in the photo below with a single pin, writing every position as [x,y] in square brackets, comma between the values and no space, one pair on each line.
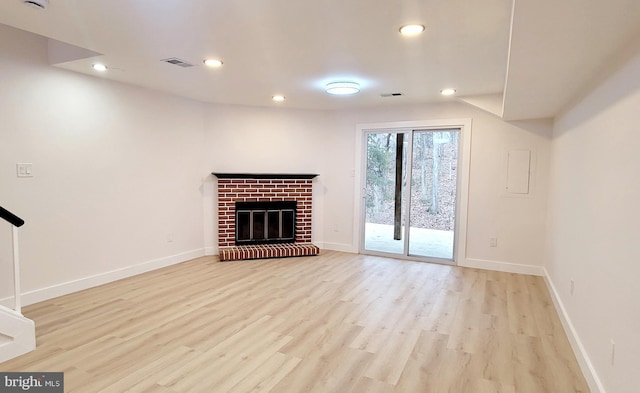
[410,193]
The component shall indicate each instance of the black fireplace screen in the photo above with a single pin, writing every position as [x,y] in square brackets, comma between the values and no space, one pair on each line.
[265,222]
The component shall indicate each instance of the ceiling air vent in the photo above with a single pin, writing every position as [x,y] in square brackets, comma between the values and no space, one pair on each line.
[177,62]
[387,95]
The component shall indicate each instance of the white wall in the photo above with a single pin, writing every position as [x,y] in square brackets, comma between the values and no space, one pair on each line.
[249,139]
[265,140]
[117,170]
[593,225]
[516,222]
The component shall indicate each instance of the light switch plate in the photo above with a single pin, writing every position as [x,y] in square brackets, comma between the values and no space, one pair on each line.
[25,169]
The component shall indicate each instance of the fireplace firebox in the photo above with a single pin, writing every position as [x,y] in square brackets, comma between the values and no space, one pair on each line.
[265,222]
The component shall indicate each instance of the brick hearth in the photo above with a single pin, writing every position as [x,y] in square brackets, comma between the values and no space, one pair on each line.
[234,188]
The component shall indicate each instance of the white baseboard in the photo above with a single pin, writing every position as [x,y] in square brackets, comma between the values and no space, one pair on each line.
[66,288]
[499,266]
[336,247]
[589,372]
[211,251]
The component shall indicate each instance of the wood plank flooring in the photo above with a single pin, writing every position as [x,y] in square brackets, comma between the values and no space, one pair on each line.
[337,322]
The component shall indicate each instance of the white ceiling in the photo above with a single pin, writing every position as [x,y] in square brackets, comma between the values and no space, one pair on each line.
[554,49]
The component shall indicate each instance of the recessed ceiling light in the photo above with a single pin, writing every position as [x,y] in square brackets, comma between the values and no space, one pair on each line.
[411,29]
[99,67]
[448,92]
[342,88]
[278,98]
[213,63]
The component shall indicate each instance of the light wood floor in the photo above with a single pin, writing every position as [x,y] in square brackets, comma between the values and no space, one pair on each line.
[333,323]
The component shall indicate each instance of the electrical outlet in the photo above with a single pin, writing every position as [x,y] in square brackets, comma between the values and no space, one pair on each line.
[169,238]
[493,242]
[573,287]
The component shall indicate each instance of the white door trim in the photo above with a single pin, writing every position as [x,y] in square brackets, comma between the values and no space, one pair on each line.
[464,124]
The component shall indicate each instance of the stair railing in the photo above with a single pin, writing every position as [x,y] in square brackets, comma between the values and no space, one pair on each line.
[15,222]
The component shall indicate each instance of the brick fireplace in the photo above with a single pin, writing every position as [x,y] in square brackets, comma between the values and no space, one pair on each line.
[243,188]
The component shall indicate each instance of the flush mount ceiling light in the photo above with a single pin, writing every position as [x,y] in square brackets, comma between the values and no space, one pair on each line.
[448,92]
[342,88]
[212,62]
[278,98]
[411,29]
[99,67]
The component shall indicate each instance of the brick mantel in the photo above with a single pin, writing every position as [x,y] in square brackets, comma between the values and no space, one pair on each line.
[245,187]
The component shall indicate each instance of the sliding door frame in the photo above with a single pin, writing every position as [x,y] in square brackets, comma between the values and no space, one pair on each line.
[462,188]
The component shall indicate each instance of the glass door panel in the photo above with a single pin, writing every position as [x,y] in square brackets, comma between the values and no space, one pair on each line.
[385,192]
[432,208]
